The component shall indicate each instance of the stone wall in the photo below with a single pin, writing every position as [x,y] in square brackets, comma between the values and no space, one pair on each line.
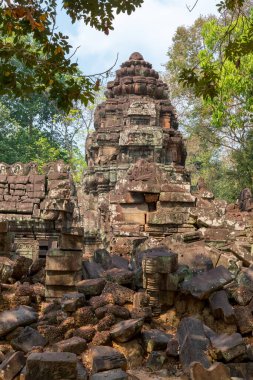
[36,207]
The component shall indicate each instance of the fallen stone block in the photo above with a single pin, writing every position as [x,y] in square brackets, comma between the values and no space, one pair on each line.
[101,338]
[28,339]
[113,374]
[85,332]
[12,365]
[120,276]
[193,343]
[72,301]
[120,294]
[116,310]
[217,371]
[104,358]
[221,307]
[60,365]
[106,323]
[92,269]
[85,316]
[155,340]
[126,330]
[100,301]
[76,345]
[202,285]
[91,287]
[102,256]
[11,319]
[228,347]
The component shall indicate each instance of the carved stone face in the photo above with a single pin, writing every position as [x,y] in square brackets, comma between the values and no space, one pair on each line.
[17,169]
[3,168]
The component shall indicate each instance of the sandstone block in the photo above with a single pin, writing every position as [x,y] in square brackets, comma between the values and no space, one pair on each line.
[192,343]
[60,365]
[202,285]
[85,316]
[85,332]
[121,276]
[221,307]
[28,339]
[228,347]
[11,319]
[76,345]
[120,293]
[102,338]
[70,302]
[155,340]
[93,287]
[106,358]
[12,365]
[126,330]
[106,323]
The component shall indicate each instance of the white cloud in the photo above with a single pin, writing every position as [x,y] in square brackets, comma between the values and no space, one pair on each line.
[148,30]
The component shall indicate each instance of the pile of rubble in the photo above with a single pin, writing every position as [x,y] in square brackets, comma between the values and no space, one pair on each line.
[109,328]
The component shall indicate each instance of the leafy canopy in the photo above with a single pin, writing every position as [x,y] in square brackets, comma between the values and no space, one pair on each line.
[219,129]
[233,43]
[29,39]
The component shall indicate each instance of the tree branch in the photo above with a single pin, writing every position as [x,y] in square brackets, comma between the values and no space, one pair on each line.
[190,9]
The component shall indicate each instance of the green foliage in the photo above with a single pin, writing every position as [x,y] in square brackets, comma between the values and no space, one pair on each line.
[230,40]
[35,57]
[78,164]
[35,130]
[219,129]
[18,143]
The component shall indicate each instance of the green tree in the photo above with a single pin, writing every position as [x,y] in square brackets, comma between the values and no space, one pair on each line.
[218,129]
[30,40]
[24,144]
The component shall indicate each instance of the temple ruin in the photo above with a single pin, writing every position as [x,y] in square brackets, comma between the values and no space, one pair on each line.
[136,184]
[131,275]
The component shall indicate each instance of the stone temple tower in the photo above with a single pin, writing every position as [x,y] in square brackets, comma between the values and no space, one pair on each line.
[136,185]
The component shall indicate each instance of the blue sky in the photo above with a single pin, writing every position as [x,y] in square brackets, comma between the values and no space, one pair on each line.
[148,30]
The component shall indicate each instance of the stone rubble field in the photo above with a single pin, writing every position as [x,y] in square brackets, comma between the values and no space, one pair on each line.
[109,328]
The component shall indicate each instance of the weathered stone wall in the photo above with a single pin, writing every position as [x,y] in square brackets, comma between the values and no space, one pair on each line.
[36,208]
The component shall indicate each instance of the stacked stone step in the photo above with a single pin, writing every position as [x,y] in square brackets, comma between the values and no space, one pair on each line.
[63,271]
[159,278]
